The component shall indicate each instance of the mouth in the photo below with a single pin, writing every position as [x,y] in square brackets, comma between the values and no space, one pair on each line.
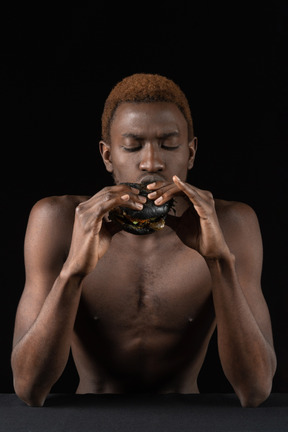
[151,179]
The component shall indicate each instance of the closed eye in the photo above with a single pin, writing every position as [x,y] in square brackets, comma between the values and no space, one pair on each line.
[169,148]
[132,149]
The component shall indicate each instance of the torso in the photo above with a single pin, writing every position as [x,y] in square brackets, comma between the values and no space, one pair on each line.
[145,318]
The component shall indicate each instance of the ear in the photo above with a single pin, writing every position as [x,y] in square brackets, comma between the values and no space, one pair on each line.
[106,155]
[192,151]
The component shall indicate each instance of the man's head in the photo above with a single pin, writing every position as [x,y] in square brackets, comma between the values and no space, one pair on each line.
[144,88]
[147,130]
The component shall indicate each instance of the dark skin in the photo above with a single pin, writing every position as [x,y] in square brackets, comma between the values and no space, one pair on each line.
[138,311]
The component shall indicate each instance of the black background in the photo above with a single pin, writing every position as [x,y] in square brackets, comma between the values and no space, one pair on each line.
[58,66]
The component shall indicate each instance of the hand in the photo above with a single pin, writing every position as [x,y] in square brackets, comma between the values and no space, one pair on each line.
[198,227]
[92,233]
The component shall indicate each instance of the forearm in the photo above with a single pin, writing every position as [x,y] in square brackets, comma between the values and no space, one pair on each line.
[247,357]
[40,356]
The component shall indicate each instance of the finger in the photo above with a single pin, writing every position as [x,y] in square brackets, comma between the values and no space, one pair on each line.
[206,195]
[189,190]
[163,197]
[133,197]
[167,196]
[128,201]
[138,198]
[113,197]
[202,201]
[156,185]
[125,192]
[157,189]
[159,192]
[125,189]
[164,193]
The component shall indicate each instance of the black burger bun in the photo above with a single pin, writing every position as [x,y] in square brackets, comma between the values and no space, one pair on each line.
[140,222]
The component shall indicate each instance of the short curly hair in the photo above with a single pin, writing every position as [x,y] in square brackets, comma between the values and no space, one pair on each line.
[144,87]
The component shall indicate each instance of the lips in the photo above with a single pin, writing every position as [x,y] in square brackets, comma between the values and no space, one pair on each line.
[151,179]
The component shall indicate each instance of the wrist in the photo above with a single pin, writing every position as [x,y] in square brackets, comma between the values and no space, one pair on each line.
[67,273]
[225,260]
[223,269]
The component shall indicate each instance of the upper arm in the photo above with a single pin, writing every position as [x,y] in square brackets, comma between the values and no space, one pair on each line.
[243,235]
[48,231]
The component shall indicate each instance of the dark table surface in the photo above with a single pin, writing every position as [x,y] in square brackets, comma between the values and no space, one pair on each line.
[109,413]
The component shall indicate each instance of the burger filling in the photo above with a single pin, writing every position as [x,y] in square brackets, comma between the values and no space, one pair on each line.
[154,223]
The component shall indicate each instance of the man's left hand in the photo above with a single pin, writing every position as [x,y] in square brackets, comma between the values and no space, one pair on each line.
[198,227]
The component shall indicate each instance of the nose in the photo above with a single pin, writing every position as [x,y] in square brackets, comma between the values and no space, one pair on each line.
[151,160]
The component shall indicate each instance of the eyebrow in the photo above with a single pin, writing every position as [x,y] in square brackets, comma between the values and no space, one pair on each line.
[162,136]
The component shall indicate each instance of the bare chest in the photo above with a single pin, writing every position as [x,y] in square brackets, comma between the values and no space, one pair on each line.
[164,290]
[144,318]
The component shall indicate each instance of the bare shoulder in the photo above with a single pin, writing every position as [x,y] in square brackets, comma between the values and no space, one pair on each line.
[58,204]
[239,224]
[51,221]
[234,212]
[56,210]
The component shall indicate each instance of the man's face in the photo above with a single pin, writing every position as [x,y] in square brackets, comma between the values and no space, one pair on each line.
[149,141]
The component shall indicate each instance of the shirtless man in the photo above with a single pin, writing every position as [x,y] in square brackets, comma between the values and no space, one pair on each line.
[137,311]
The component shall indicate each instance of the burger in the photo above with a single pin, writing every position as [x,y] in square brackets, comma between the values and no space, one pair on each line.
[146,221]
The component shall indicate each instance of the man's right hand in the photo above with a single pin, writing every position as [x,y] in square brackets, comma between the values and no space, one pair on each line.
[92,232]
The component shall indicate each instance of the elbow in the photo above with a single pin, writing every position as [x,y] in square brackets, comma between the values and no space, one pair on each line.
[253,392]
[27,386]
[253,399]
[32,397]
[254,395]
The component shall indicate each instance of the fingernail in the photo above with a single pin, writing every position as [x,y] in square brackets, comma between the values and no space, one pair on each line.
[152,195]
[125,197]
[151,185]
[139,206]
[158,200]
